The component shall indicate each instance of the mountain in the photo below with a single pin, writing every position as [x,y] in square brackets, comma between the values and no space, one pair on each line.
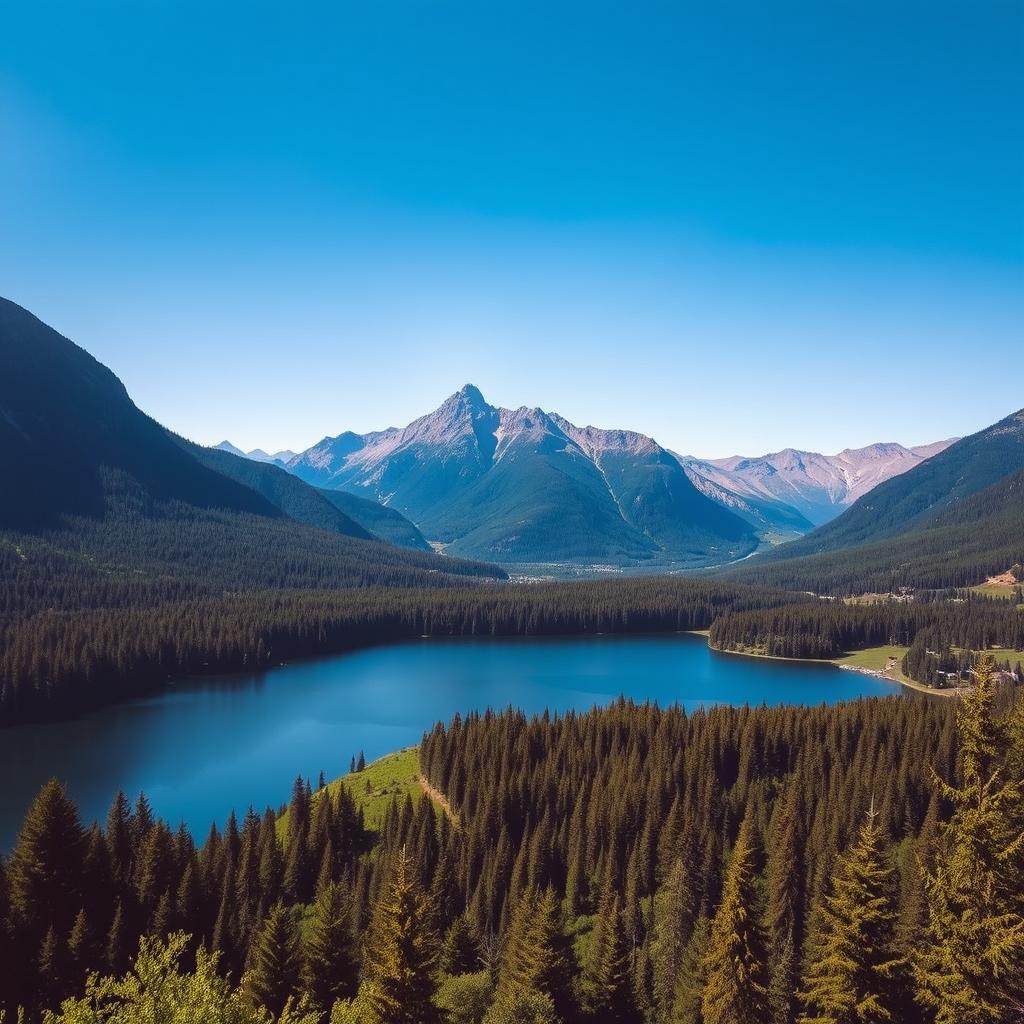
[818,487]
[523,485]
[388,524]
[950,521]
[97,489]
[280,458]
[774,521]
[227,446]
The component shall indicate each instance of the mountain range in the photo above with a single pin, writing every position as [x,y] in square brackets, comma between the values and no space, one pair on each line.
[950,521]
[97,485]
[769,489]
[525,485]
[110,493]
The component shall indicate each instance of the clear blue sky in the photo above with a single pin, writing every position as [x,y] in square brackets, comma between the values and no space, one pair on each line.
[734,226]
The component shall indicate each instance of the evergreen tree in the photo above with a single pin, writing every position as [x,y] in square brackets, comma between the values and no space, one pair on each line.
[736,988]
[692,977]
[853,974]
[275,973]
[81,948]
[331,968]
[44,874]
[402,952]
[972,969]
[460,952]
[609,987]
[535,959]
[117,949]
[673,922]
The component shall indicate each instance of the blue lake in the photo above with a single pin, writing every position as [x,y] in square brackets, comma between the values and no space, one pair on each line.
[204,746]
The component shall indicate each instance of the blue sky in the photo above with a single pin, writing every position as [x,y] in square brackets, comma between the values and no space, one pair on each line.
[733,226]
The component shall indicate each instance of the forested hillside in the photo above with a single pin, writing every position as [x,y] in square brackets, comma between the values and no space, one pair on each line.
[826,630]
[956,543]
[632,864]
[76,636]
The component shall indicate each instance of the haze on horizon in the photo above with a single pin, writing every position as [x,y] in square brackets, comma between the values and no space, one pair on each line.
[735,230]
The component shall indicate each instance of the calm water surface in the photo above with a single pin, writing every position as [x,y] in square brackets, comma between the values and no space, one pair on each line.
[206,745]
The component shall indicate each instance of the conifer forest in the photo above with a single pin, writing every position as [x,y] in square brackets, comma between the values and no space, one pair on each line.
[842,863]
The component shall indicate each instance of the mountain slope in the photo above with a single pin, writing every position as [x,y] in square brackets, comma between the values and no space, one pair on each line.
[951,521]
[774,520]
[964,468]
[963,544]
[64,416]
[285,492]
[523,485]
[819,487]
[388,524]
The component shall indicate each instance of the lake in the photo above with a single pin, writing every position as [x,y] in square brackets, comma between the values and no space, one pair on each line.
[207,745]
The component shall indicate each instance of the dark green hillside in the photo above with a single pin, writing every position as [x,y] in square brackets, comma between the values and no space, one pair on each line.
[528,508]
[64,416]
[386,523]
[961,544]
[289,494]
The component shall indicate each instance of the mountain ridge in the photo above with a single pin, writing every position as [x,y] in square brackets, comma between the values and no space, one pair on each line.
[480,478]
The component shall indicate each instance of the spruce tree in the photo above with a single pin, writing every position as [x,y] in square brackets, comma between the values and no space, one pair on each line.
[736,988]
[117,949]
[331,967]
[692,977]
[275,972]
[44,873]
[402,951]
[535,958]
[673,922]
[971,970]
[853,972]
[609,987]
[460,952]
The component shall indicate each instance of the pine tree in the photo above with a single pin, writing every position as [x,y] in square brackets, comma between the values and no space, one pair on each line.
[81,948]
[44,874]
[331,967]
[673,922]
[972,969]
[535,958]
[692,977]
[784,911]
[275,974]
[117,950]
[609,986]
[460,952]
[854,972]
[54,969]
[736,989]
[402,952]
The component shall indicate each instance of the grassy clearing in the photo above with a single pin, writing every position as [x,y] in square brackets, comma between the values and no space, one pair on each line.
[391,777]
[994,590]
[1000,654]
[885,660]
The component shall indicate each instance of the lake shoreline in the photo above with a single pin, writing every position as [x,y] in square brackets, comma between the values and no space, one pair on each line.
[876,673]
